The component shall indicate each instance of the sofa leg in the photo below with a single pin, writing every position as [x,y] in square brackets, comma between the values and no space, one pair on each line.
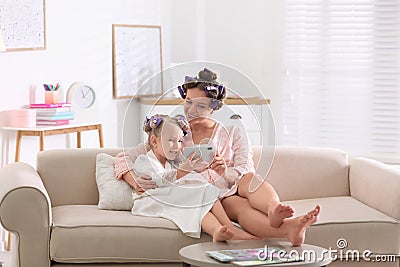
[186,264]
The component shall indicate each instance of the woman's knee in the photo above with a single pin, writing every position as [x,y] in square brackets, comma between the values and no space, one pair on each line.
[248,184]
[233,205]
[253,183]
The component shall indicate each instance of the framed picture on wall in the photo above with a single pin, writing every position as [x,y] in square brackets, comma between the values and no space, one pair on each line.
[22,24]
[137,61]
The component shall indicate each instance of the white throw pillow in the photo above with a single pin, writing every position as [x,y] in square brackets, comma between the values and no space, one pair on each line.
[113,194]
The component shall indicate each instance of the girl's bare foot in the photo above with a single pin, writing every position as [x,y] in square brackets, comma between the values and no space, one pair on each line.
[240,234]
[279,213]
[222,234]
[296,227]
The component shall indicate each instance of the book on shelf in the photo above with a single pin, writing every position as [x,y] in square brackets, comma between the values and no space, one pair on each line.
[52,122]
[252,257]
[52,114]
[52,111]
[55,105]
[55,117]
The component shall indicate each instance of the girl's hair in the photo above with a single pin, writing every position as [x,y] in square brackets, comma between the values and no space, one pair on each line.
[153,125]
[207,81]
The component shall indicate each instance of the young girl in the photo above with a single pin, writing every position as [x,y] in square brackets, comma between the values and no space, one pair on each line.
[182,196]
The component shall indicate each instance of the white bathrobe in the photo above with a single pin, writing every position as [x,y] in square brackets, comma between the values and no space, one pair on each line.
[184,201]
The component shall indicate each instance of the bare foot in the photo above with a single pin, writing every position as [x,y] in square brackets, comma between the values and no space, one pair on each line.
[279,213]
[222,234]
[296,227]
[240,234]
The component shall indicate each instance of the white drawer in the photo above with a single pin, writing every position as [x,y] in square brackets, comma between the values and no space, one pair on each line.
[247,116]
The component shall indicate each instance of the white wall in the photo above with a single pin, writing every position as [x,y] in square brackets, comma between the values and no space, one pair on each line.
[78,49]
[245,35]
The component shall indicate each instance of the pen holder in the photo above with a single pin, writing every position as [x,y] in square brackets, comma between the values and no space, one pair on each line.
[51,97]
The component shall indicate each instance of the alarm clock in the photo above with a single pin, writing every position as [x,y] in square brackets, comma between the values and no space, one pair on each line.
[81,95]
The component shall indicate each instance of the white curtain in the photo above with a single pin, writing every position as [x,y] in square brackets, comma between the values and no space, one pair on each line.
[342,88]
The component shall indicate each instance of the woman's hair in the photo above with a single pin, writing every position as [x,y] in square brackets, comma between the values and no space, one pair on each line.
[153,125]
[207,81]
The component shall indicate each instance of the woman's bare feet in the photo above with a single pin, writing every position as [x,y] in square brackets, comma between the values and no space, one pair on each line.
[296,228]
[279,213]
[240,234]
[222,233]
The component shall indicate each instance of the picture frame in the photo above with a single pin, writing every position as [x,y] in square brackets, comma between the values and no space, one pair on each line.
[137,61]
[23,24]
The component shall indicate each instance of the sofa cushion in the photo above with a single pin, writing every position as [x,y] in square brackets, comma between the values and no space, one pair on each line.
[113,194]
[363,227]
[305,172]
[76,183]
[83,233]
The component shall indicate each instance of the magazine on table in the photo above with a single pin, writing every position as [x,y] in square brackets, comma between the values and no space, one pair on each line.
[263,263]
[252,257]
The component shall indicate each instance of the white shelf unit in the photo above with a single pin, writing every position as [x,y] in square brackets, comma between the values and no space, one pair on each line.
[253,115]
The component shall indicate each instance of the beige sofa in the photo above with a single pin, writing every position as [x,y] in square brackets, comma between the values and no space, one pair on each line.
[53,215]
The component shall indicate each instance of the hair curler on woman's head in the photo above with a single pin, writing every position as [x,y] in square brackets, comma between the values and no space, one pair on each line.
[207,81]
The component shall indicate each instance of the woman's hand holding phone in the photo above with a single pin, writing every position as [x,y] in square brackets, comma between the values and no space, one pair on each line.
[219,164]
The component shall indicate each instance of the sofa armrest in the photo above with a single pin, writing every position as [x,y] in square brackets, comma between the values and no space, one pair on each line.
[375,184]
[25,210]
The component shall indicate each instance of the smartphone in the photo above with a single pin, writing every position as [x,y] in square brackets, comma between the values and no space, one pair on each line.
[205,151]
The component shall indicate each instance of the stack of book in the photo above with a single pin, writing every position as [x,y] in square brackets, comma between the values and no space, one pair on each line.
[53,114]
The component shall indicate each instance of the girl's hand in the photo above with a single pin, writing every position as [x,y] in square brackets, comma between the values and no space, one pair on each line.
[143,183]
[139,183]
[219,164]
[193,164]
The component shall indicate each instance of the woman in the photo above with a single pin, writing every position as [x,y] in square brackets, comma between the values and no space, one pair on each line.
[259,212]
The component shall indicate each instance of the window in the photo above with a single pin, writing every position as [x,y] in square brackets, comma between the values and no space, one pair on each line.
[342,87]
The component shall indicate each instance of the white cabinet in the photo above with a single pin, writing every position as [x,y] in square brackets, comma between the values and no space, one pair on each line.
[249,117]
[254,117]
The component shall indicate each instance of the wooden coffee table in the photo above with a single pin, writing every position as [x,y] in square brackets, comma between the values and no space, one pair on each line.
[196,254]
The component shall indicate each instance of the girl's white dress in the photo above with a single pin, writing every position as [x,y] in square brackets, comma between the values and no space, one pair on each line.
[184,201]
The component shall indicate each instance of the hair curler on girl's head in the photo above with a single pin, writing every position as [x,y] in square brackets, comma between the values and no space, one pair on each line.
[153,125]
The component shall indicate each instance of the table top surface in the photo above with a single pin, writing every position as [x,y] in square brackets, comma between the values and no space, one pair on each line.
[196,254]
[50,127]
